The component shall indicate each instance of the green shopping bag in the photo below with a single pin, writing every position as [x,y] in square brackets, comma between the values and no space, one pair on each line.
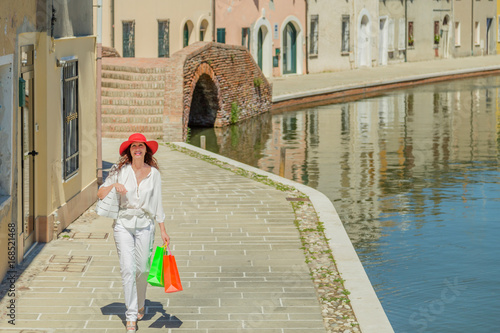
[155,277]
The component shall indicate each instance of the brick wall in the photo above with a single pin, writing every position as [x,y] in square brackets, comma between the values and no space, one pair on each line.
[238,81]
[200,84]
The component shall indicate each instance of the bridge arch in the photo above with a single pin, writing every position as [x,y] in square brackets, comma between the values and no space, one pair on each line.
[204,104]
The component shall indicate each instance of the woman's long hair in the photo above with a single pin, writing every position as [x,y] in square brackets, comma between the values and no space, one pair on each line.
[127,158]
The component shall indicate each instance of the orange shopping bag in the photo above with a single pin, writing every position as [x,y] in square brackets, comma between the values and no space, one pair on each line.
[171,276]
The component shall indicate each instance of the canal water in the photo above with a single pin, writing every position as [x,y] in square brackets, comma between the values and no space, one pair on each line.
[414,175]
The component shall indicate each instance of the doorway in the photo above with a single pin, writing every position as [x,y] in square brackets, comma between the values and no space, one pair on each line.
[26,92]
[383,42]
[364,42]
[489,35]
[290,49]
[444,38]
[260,44]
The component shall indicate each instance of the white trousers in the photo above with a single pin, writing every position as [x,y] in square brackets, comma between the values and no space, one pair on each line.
[134,247]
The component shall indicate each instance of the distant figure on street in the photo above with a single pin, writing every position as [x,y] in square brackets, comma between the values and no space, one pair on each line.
[137,179]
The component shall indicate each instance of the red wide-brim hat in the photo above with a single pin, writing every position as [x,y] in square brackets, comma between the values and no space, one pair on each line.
[138,137]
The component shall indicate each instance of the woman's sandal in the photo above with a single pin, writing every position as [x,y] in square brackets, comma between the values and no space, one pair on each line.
[131,326]
[140,314]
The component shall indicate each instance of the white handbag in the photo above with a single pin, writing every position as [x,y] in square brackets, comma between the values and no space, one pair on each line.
[109,206]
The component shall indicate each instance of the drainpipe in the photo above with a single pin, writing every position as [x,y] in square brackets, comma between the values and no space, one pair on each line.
[472,29]
[214,31]
[113,23]
[307,40]
[406,30]
[98,92]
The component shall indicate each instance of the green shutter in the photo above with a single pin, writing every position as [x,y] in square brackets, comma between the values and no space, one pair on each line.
[221,35]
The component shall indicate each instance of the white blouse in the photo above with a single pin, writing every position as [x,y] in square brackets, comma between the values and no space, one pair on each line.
[142,204]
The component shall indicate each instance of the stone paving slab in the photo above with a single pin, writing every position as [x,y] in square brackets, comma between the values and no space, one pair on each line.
[295,86]
[237,250]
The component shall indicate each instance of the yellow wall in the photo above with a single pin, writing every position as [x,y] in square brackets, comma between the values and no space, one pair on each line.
[146,14]
[51,192]
[56,191]
[71,198]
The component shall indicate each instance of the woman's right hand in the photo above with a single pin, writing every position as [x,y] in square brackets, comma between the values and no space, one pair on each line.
[120,188]
[104,191]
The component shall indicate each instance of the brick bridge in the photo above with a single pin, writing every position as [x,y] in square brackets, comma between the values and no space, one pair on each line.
[205,84]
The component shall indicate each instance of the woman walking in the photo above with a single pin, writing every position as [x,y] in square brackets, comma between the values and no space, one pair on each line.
[137,179]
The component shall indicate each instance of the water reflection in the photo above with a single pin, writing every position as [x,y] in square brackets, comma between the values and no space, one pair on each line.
[414,177]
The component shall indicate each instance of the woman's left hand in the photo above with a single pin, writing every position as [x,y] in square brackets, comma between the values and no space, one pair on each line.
[165,237]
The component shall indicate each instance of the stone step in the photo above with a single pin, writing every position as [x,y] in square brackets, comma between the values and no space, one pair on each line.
[127,110]
[125,135]
[110,128]
[131,119]
[132,76]
[135,69]
[135,93]
[132,101]
[128,84]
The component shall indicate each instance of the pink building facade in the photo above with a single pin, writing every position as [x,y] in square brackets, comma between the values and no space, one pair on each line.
[273,31]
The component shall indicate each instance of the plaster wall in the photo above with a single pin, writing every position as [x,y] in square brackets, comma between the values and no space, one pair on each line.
[51,191]
[423,15]
[274,15]
[330,56]
[62,191]
[461,44]
[394,13]
[15,16]
[6,160]
[146,15]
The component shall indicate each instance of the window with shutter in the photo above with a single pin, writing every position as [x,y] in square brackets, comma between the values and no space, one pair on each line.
[129,39]
[163,39]
[221,35]
[314,34]
[70,119]
[345,33]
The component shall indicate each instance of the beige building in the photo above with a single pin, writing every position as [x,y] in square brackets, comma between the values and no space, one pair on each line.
[392,32]
[48,121]
[342,35]
[273,31]
[330,42]
[154,28]
[428,30]
[475,28]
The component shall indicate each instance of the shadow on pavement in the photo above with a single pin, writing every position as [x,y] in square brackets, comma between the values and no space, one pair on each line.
[152,308]
[11,281]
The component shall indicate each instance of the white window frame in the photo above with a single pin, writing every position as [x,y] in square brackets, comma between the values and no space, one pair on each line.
[345,37]
[391,36]
[314,37]
[69,116]
[402,34]
[498,28]
[457,34]
[477,33]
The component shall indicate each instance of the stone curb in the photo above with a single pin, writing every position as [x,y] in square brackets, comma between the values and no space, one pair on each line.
[364,301]
[378,83]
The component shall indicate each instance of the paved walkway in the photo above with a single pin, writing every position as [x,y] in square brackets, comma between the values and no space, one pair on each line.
[234,239]
[235,243]
[293,86]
